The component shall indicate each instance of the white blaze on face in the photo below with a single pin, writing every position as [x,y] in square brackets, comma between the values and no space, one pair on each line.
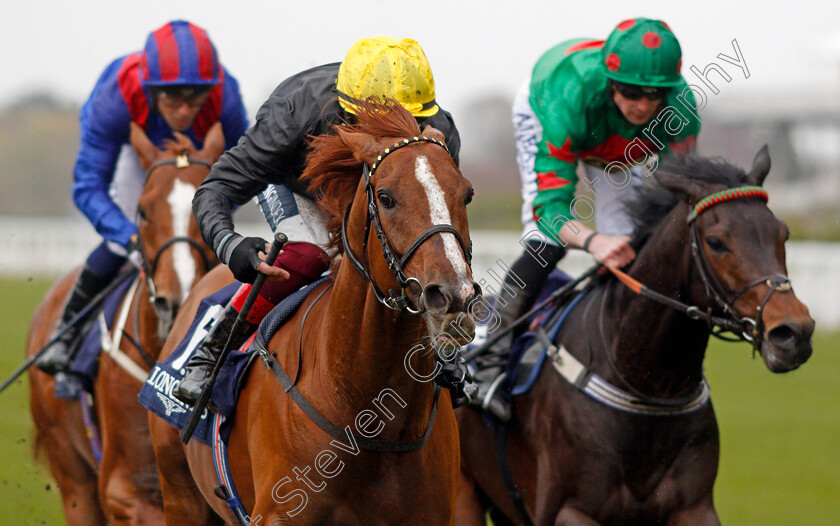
[180,202]
[440,216]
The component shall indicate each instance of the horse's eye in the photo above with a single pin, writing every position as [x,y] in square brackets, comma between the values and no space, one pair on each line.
[142,213]
[716,244]
[386,200]
[469,198]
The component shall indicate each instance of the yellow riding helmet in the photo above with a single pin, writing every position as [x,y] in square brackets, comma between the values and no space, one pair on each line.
[389,68]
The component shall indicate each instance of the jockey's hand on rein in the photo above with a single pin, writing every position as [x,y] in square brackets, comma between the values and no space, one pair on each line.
[612,251]
[133,252]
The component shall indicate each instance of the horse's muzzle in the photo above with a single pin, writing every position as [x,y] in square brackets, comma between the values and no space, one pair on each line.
[447,310]
[440,299]
[787,345]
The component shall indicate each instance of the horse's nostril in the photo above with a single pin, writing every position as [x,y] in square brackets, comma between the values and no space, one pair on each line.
[162,304]
[781,334]
[785,336]
[435,298]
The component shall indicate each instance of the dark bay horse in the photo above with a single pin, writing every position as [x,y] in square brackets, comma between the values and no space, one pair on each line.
[122,488]
[355,349]
[648,455]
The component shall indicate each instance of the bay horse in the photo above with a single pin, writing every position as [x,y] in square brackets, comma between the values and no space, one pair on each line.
[644,448]
[356,341]
[122,487]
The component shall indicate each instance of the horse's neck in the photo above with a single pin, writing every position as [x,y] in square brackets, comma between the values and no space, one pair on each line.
[657,349]
[366,347]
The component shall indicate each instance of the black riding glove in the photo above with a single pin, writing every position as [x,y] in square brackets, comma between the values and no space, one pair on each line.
[241,254]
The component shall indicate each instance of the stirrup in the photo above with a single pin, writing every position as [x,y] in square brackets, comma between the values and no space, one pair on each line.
[59,356]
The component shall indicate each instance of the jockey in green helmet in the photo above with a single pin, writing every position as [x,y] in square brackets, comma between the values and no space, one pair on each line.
[612,105]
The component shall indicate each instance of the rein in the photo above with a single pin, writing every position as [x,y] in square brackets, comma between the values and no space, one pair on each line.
[390,300]
[315,416]
[150,265]
[182,160]
[395,263]
[744,328]
[111,345]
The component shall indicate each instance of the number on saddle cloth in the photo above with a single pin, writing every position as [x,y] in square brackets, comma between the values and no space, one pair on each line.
[156,394]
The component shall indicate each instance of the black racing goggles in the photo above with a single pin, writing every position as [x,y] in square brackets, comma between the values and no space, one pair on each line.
[635,92]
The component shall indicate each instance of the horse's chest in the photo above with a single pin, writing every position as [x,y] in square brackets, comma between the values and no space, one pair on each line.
[646,467]
[371,489]
[387,498]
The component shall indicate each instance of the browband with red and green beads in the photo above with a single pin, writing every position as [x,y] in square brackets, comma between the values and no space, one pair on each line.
[742,192]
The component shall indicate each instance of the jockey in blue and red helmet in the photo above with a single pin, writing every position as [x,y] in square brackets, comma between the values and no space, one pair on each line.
[175,83]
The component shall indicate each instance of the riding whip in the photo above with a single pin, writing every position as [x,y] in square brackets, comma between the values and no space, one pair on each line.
[78,318]
[204,398]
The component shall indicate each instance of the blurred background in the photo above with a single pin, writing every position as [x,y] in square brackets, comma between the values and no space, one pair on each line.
[779,433]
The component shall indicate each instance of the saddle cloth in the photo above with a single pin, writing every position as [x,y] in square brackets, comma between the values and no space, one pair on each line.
[156,394]
[527,353]
[85,363]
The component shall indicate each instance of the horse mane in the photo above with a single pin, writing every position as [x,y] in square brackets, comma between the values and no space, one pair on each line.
[333,170]
[653,203]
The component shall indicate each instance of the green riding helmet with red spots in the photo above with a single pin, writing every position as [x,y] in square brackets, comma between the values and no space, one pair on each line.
[643,52]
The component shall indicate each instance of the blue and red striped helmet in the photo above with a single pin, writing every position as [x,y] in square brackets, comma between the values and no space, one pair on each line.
[179,53]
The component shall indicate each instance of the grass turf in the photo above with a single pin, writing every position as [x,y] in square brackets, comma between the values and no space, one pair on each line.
[780,459]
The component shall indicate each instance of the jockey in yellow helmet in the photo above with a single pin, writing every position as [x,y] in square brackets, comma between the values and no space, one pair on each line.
[269,160]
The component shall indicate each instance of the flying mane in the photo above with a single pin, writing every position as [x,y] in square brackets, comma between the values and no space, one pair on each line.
[333,170]
[653,203]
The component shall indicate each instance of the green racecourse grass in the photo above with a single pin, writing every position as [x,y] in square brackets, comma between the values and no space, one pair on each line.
[780,434]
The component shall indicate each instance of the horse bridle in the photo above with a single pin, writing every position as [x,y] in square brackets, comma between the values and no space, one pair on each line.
[395,263]
[183,160]
[745,328]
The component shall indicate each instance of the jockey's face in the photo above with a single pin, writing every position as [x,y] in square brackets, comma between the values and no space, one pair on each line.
[636,111]
[180,112]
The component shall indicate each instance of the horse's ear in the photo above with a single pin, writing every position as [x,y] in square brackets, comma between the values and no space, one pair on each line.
[214,143]
[365,147]
[684,188]
[146,151]
[433,133]
[760,167]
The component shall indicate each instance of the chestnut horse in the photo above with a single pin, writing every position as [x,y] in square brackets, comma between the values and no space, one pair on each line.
[580,460]
[355,342]
[123,489]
